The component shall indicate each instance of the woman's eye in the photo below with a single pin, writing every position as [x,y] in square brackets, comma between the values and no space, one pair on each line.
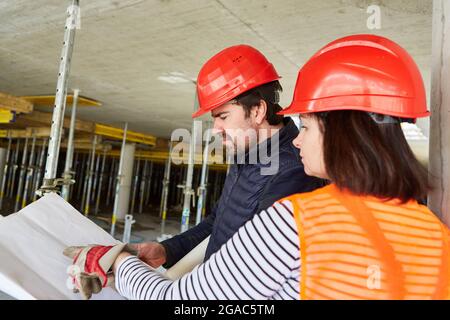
[303,127]
[223,118]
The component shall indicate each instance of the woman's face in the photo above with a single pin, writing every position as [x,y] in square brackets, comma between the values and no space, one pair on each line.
[310,143]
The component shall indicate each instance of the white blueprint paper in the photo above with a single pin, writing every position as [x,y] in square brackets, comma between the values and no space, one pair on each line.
[32,240]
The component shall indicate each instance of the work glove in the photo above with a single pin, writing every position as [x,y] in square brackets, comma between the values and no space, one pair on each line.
[91,268]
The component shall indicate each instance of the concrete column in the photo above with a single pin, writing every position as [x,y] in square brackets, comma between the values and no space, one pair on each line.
[439,162]
[125,182]
[3,152]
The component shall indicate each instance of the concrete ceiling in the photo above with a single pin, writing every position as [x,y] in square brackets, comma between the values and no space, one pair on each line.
[124,47]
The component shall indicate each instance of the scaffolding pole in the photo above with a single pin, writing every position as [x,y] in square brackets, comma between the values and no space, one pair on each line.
[5,172]
[90,175]
[119,176]
[68,172]
[96,177]
[142,187]
[21,176]
[201,193]
[149,184]
[135,186]
[15,166]
[30,172]
[39,169]
[100,184]
[50,183]
[111,181]
[189,194]
[165,191]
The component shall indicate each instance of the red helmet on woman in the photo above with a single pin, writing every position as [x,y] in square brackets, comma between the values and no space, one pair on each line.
[230,73]
[360,72]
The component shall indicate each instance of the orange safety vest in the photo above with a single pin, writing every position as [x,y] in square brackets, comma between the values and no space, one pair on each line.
[362,247]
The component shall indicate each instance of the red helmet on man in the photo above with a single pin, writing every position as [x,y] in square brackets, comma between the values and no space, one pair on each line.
[230,73]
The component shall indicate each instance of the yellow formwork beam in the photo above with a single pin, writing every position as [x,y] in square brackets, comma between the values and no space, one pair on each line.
[49,100]
[7,116]
[117,133]
[40,132]
[161,156]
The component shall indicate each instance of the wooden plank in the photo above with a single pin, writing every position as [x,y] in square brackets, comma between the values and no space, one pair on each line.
[13,103]
[46,118]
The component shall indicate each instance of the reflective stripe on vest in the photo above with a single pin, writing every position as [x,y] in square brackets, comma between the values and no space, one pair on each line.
[356,247]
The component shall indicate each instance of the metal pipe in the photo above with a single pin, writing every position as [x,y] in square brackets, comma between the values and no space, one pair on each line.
[68,173]
[30,172]
[165,191]
[82,179]
[100,184]
[85,182]
[14,168]
[5,170]
[111,180]
[49,183]
[96,177]
[203,180]
[75,172]
[188,191]
[119,176]
[142,186]
[149,184]
[91,173]
[21,176]
[40,169]
[135,185]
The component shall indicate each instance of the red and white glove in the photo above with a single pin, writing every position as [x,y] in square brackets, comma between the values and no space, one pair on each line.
[91,268]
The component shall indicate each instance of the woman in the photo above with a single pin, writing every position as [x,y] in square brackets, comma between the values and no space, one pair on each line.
[364,236]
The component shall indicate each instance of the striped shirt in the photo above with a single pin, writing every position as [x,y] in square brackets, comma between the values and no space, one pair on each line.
[260,261]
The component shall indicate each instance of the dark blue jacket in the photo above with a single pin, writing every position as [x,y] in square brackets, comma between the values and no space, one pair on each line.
[246,192]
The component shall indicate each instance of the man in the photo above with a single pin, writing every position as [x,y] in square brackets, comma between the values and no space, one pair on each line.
[240,88]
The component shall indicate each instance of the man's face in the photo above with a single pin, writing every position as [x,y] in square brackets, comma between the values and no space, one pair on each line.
[237,131]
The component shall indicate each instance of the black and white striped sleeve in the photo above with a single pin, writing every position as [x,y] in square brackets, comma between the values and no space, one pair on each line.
[260,261]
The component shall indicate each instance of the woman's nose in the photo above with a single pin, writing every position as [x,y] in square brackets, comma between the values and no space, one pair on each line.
[297,142]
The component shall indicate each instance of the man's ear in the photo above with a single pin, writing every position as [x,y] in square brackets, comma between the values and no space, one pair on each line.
[260,112]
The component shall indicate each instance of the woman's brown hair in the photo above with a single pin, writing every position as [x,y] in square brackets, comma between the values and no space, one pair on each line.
[369,158]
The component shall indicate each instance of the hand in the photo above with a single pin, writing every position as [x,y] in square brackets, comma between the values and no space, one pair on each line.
[152,253]
[90,271]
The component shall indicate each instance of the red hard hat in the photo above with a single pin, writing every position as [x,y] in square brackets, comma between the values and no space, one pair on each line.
[360,72]
[230,73]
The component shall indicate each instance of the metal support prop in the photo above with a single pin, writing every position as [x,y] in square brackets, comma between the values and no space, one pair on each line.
[85,181]
[90,180]
[30,172]
[75,165]
[119,176]
[100,184]
[111,179]
[129,221]
[149,184]
[21,176]
[82,180]
[15,166]
[68,172]
[96,176]
[189,193]
[165,191]
[135,186]
[50,183]
[39,169]
[142,186]
[201,193]
[5,172]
